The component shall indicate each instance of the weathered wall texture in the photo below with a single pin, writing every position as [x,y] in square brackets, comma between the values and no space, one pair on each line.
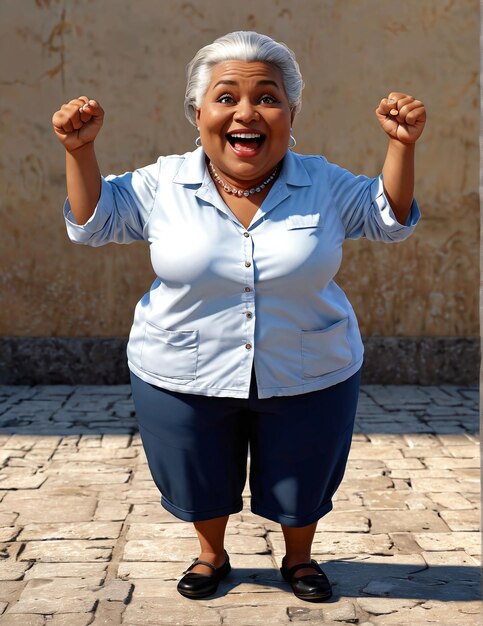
[131,56]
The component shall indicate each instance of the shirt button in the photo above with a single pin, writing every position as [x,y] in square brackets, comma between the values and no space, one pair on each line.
[245,234]
[248,314]
[247,264]
[247,289]
[248,346]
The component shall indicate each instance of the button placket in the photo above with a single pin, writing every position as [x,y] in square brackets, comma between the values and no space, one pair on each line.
[249,293]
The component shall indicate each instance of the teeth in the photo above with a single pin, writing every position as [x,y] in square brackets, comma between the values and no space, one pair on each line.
[245,135]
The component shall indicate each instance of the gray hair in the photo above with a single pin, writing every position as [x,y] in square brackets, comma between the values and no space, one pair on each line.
[242,45]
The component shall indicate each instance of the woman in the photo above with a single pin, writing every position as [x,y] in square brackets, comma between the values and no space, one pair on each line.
[244,337]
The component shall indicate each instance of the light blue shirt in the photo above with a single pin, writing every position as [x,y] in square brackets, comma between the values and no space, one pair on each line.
[228,297]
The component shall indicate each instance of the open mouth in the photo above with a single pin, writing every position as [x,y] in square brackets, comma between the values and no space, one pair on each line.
[245,141]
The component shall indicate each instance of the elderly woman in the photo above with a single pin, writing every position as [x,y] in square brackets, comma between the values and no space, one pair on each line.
[244,339]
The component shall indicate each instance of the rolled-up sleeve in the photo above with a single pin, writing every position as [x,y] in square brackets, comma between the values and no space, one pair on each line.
[364,208]
[122,211]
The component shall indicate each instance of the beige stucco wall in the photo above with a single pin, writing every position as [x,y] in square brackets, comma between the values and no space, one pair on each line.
[131,57]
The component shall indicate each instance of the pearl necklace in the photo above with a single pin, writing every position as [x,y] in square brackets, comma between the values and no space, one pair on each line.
[242,192]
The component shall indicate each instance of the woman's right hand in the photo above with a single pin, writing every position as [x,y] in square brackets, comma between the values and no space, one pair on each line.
[78,122]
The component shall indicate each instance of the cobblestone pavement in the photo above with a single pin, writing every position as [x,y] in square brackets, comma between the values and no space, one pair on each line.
[84,539]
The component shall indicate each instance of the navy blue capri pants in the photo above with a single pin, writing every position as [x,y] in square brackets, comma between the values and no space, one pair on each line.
[197,447]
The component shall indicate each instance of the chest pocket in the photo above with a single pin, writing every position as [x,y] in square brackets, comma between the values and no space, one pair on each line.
[170,354]
[295,222]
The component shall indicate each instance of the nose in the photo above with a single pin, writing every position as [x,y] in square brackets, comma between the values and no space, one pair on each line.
[246,111]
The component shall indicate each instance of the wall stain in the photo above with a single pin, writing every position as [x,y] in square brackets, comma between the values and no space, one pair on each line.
[396,28]
[55,45]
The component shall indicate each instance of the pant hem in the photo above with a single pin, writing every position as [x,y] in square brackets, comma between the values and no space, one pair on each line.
[200,516]
[292,520]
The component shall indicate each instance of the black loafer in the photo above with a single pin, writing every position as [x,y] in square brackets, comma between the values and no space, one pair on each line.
[312,587]
[194,585]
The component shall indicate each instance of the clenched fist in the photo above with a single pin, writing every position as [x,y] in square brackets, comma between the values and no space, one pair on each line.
[402,117]
[78,122]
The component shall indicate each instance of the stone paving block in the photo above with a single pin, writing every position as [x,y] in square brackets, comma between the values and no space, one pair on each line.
[52,551]
[445,613]
[436,583]
[366,451]
[164,549]
[83,467]
[108,614]
[361,474]
[251,616]
[386,439]
[336,543]
[386,499]
[406,521]
[420,440]
[87,479]
[90,441]
[22,481]
[9,619]
[344,521]
[66,570]
[154,587]
[10,589]
[471,451]
[70,619]
[404,543]
[184,529]
[116,441]
[94,454]
[404,464]
[381,482]
[134,571]
[146,612]
[449,558]
[423,452]
[184,547]
[385,606]
[351,574]
[116,591]
[452,463]
[151,512]
[42,508]
[57,595]
[462,520]
[442,485]
[10,570]
[365,464]
[467,541]
[9,533]
[71,530]
[111,510]
[451,501]
[20,442]
[10,550]
[454,440]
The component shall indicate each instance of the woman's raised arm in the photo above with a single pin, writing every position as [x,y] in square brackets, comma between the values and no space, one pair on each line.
[76,125]
[403,119]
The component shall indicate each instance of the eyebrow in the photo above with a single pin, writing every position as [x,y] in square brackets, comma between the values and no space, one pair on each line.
[234,82]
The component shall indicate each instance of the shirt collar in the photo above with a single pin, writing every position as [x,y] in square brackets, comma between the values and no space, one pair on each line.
[193,170]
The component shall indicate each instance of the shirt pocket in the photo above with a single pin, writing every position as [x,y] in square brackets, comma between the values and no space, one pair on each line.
[327,350]
[313,220]
[170,353]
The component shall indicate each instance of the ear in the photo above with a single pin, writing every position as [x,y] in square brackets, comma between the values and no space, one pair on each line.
[198,115]
[292,116]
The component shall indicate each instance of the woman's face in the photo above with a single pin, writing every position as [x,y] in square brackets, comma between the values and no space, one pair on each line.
[244,120]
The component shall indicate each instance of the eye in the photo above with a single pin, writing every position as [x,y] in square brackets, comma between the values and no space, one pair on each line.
[268,99]
[225,99]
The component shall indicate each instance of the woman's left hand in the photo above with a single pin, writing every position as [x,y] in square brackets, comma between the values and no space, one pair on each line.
[402,117]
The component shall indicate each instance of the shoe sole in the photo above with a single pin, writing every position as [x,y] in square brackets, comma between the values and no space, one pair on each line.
[312,599]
